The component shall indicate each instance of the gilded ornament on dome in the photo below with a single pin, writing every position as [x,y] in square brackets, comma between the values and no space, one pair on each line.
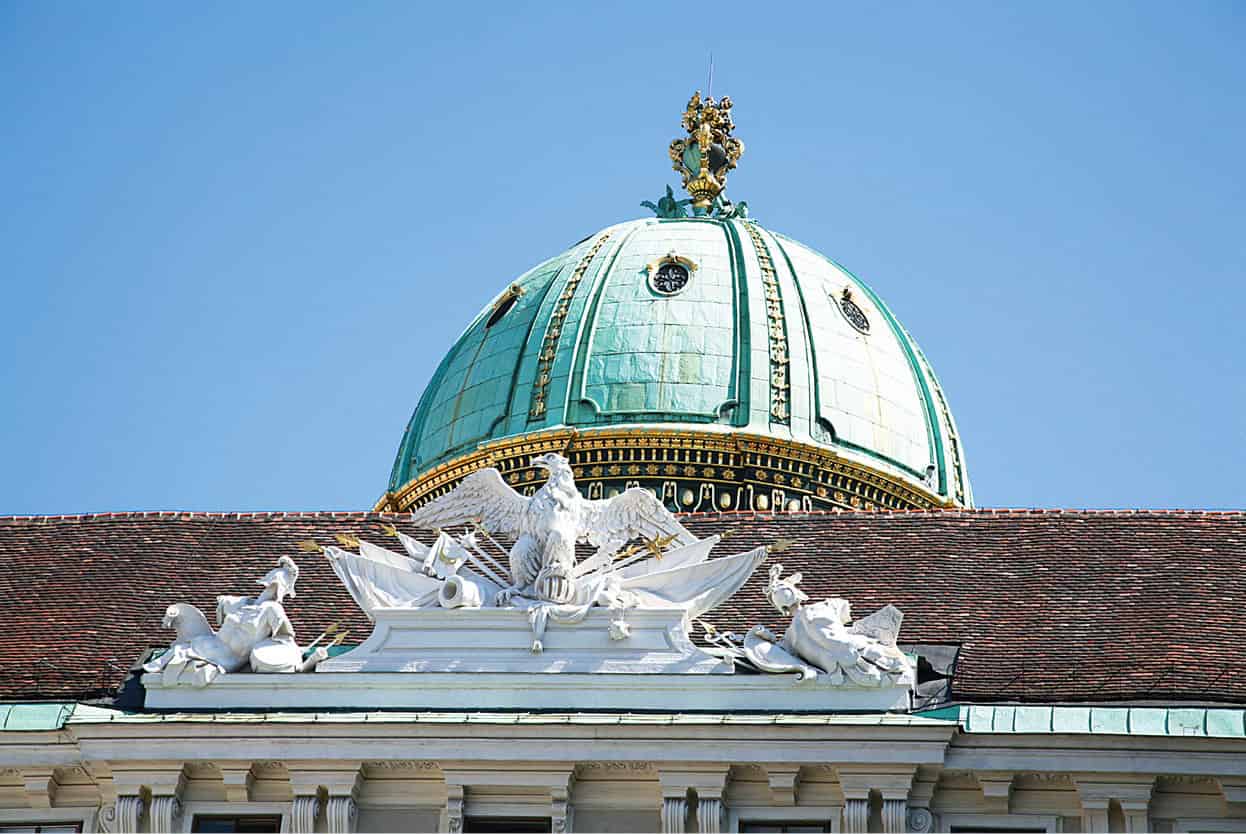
[709,152]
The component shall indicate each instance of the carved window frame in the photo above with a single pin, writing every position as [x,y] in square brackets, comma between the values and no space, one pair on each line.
[834,814]
[653,267]
[215,808]
[85,817]
[1000,822]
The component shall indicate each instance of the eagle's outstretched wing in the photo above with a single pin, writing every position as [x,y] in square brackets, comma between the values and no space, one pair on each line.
[482,496]
[610,523]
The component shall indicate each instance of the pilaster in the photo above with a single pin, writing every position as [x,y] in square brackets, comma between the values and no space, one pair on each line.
[452,817]
[919,818]
[165,810]
[892,783]
[336,789]
[303,813]
[708,780]
[121,816]
[674,812]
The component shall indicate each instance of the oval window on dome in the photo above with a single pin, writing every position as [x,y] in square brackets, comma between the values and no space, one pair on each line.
[852,312]
[669,278]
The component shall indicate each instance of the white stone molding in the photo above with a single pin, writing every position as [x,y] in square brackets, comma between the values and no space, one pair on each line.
[303,813]
[895,816]
[164,810]
[674,812]
[612,689]
[784,783]
[857,814]
[122,815]
[341,813]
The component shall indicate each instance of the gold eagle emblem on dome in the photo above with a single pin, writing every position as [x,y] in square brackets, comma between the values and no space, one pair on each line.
[709,151]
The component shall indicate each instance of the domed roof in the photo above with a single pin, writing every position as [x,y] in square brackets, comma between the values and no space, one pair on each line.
[703,332]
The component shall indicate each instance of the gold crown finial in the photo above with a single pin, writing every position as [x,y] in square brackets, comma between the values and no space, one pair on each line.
[709,152]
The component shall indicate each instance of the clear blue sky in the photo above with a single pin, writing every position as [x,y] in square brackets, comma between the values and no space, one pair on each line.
[237,238]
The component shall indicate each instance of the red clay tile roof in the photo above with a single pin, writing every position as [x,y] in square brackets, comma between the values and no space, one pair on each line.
[1049,606]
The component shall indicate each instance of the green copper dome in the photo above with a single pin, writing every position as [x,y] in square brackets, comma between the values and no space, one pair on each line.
[696,328]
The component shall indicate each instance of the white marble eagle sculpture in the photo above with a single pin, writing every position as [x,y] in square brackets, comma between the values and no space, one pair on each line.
[547,526]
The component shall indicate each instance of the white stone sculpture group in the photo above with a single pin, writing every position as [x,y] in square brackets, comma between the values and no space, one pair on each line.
[252,631]
[539,574]
[822,639]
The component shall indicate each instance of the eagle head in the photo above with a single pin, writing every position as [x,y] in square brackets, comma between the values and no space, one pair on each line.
[555,463]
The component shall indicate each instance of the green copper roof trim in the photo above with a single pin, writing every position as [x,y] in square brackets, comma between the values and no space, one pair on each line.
[1208,722]
[34,717]
[932,429]
[742,362]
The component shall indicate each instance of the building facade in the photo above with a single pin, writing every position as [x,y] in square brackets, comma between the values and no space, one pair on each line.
[536,629]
